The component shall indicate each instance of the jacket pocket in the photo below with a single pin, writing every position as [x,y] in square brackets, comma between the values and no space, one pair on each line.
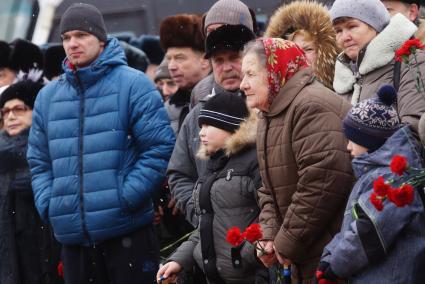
[120,192]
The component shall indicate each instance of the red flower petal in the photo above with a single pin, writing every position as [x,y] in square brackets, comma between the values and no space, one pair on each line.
[376,201]
[234,236]
[380,187]
[60,269]
[253,233]
[402,196]
[398,164]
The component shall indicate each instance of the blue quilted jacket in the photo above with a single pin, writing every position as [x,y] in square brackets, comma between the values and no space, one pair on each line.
[98,148]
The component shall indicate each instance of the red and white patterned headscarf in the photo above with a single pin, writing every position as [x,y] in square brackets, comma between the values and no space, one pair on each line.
[284,59]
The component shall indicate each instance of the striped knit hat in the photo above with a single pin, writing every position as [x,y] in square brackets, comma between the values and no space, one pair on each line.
[225,111]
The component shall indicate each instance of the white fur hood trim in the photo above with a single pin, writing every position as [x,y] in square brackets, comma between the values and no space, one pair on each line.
[379,52]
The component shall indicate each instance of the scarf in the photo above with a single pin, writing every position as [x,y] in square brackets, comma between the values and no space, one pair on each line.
[284,59]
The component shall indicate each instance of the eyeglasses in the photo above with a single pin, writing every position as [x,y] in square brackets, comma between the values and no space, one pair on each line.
[17,110]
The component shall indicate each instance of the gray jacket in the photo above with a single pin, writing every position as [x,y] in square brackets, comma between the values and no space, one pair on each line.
[375,67]
[234,201]
[184,168]
[177,109]
[385,246]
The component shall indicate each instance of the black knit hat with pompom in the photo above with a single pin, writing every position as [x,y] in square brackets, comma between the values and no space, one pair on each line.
[371,122]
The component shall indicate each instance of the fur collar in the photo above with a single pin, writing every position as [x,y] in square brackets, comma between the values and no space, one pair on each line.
[245,136]
[379,52]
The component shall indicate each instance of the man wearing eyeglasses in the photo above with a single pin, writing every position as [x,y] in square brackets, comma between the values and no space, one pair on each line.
[99,146]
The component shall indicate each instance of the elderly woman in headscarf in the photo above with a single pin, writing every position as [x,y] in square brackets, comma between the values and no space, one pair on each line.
[303,160]
[309,25]
[369,38]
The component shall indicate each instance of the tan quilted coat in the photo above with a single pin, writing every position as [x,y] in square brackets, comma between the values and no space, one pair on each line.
[305,168]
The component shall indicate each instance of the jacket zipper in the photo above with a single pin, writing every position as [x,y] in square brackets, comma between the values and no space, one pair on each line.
[80,154]
[266,170]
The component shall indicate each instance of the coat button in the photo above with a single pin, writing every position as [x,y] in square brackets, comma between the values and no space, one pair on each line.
[204,211]
[205,261]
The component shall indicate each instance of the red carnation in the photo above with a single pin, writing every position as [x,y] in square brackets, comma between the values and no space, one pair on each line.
[60,269]
[253,233]
[402,54]
[398,164]
[409,47]
[401,196]
[234,236]
[380,187]
[376,201]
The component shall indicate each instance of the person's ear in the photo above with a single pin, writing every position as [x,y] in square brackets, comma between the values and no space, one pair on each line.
[205,63]
[413,12]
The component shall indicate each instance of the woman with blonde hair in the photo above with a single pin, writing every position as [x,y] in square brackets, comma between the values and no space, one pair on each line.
[309,25]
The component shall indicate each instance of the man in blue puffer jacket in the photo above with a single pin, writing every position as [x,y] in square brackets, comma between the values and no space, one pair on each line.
[99,146]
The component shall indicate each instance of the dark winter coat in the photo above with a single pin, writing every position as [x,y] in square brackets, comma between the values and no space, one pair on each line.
[234,201]
[202,89]
[29,254]
[98,148]
[9,273]
[375,67]
[385,246]
[305,168]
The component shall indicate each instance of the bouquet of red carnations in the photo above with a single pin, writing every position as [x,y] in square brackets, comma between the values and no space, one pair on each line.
[253,235]
[402,195]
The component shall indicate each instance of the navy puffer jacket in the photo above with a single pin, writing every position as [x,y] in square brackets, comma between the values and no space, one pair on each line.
[98,147]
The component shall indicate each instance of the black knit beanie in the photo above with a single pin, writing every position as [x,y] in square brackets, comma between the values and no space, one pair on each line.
[83,17]
[225,111]
[25,91]
[371,122]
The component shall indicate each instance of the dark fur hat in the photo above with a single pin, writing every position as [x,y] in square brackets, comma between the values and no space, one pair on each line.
[227,37]
[417,2]
[25,91]
[183,30]
[21,56]
[53,58]
[151,46]
[4,54]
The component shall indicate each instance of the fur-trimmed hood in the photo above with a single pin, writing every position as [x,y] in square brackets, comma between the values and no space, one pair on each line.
[245,136]
[314,18]
[378,53]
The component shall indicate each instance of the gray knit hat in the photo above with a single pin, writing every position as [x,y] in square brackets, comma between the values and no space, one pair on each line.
[162,71]
[84,17]
[371,12]
[231,12]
